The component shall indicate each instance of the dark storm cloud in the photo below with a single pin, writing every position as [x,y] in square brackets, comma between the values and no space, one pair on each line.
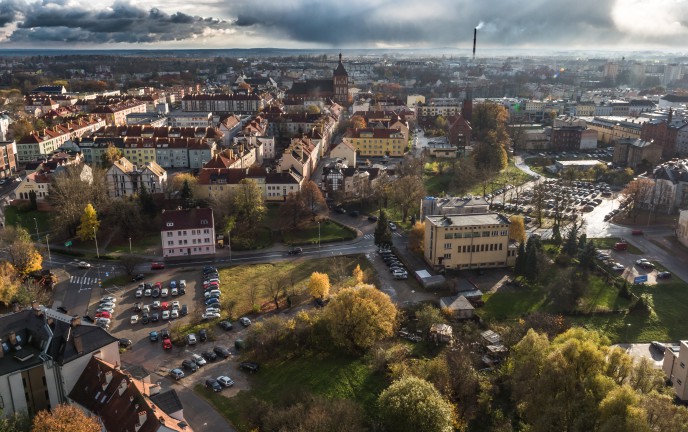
[123,22]
[432,22]
[11,10]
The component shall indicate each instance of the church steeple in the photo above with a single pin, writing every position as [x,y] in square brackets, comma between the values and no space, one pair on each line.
[340,83]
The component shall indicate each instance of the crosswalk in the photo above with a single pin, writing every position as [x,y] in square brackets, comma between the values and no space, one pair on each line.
[372,236]
[83,280]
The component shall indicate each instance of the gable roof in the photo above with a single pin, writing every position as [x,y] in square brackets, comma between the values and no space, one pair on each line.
[186,219]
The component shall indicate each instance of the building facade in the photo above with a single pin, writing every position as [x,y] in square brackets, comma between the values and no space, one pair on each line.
[126,179]
[377,142]
[187,232]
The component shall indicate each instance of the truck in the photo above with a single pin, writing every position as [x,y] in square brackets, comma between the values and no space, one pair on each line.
[620,246]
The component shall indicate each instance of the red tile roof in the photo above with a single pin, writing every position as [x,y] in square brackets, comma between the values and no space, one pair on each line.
[186,219]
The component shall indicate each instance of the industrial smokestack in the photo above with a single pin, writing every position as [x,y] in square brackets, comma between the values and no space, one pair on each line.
[475,39]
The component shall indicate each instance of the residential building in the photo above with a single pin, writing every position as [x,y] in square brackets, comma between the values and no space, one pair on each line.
[223,103]
[632,153]
[40,181]
[126,179]
[50,90]
[377,142]
[344,151]
[675,367]
[123,403]
[5,121]
[230,127]
[301,156]
[460,131]
[218,183]
[187,232]
[146,119]
[467,241]
[38,105]
[432,206]
[610,129]
[190,119]
[445,107]
[8,158]
[43,354]
[682,227]
[41,144]
[116,114]
[664,132]
[682,141]
[670,190]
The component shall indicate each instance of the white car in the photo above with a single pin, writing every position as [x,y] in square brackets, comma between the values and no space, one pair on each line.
[145,309]
[156,304]
[212,310]
[198,359]
[245,321]
[225,381]
[191,339]
[210,315]
[147,292]
[174,291]
[139,293]
[182,283]
[84,265]
[109,299]
[164,292]
[176,305]
[174,314]
[641,261]
[107,305]
[618,267]
[165,315]
[212,293]
[134,319]
[105,309]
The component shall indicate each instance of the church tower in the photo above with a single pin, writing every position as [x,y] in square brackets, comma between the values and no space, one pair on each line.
[340,84]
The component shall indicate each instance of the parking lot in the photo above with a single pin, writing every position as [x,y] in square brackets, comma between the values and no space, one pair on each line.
[630,266]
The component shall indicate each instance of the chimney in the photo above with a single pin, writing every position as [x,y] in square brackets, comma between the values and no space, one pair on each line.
[475,39]
[142,417]
[75,321]
[122,387]
[108,377]
[12,338]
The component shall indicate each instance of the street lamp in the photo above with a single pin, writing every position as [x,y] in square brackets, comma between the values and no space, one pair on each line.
[95,237]
[318,234]
[229,244]
[36,223]
[47,243]
[129,245]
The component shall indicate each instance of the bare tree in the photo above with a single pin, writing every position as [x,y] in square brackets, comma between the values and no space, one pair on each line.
[128,264]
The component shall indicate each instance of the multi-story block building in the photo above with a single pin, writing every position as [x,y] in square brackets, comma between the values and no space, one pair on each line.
[126,179]
[187,232]
[301,156]
[8,158]
[675,367]
[223,103]
[46,141]
[632,152]
[116,114]
[468,241]
[190,119]
[219,183]
[377,142]
[438,107]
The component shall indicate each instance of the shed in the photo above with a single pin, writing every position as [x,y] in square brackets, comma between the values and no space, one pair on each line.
[490,337]
[428,280]
[459,306]
[441,333]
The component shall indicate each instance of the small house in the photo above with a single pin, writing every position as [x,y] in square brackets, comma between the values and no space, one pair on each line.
[459,306]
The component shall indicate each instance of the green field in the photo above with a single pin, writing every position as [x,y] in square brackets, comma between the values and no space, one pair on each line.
[329,232]
[147,244]
[328,375]
[438,184]
[14,217]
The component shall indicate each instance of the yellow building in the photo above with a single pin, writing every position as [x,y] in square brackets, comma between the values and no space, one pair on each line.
[377,142]
[468,241]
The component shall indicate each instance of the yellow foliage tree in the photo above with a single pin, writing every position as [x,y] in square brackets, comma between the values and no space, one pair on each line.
[24,257]
[9,282]
[358,275]
[89,223]
[319,285]
[517,229]
[416,237]
[64,418]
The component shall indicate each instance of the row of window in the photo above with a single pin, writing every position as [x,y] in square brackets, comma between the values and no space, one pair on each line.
[184,242]
[476,234]
[492,247]
[193,232]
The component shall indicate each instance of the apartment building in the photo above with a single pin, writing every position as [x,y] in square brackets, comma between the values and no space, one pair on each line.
[675,367]
[8,158]
[187,232]
[219,183]
[223,103]
[377,142]
[126,179]
[190,119]
[42,143]
[301,156]
[468,241]
[632,152]
[116,114]
[438,106]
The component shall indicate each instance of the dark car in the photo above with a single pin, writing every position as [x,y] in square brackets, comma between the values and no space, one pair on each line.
[203,335]
[658,346]
[156,292]
[138,306]
[124,343]
[664,275]
[137,278]
[153,336]
[212,384]
[221,352]
[164,333]
[155,317]
[295,251]
[226,325]
[249,366]
[209,355]
[190,365]
[184,310]
[354,213]
[340,210]
[212,300]
[145,319]
[372,218]
[209,270]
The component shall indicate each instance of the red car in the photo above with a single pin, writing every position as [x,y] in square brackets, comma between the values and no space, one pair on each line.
[157,266]
[166,344]
[157,285]
[104,314]
[637,232]
[164,306]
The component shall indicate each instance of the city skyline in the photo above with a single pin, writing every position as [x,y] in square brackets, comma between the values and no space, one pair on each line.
[309,24]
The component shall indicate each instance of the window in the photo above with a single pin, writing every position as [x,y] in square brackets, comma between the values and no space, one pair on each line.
[683,365]
[486,233]
[180,242]
[500,246]
[447,256]
[679,382]
[448,235]
[169,234]
[447,245]
[170,243]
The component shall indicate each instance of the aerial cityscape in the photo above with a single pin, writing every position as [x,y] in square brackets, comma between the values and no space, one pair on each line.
[312,216]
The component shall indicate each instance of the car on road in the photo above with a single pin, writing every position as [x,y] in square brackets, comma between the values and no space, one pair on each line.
[153,336]
[191,339]
[200,361]
[190,365]
[295,251]
[618,267]
[221,352]
[245,321]
[637,232]
[177,374]
[134,319]
[225,381]
[138,277]
[372,218]
[392,226]
[166,344]
[210,315]
[84,265]
[157,265]
[213,385]
[125,343]
[209,356]
[226,325]
[664,275]
[248,366]
[620,246]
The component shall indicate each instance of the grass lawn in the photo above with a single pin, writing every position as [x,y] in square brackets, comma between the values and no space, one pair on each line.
[601,296]
[119,280]
[150,242]
[328,375]
[512,303]
[15,217]
[329,232]
[608,243]
[438,184]
[239,282]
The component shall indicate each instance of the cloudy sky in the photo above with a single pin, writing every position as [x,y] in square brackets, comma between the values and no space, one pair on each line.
[559,24]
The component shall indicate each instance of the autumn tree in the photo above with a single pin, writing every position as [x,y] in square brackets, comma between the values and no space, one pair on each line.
[313,109]
[639,193]
[517,229]
[359,317]
[358,275]
[248,208]
[15,422]
[319,285]
[21,251]
[110,155]
[10,282]
[313,199]
[293,212]
[413,404]
[416,237]
[358,122]
[89,223]
[64,418]
[406,193]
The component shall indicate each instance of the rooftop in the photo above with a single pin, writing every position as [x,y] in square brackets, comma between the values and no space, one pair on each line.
[467,220]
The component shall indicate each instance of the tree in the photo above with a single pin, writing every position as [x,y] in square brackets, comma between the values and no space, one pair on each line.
[414,405]
[15,422]
[248,208]
[89,223]
[10,282]
[520,264]
[293,213]
[358,122]
[407,192]
[319,285]
[64,418]
[146,202]
[571,244]
[358,275]
[383,234]
[21,128]
[32,199]
[621,411]
[21,250]
[186,195]
[312,199]
[416,237]
[639,194]
[359,317]
[128,264]
[313,109]
[586,256]
[428,315]
[532,270]
[110,155]
[517,229]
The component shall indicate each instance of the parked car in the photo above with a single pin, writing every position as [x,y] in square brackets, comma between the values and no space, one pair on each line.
[184,310]
[295,251]
[155,317]
[156,292]
[658,346]
[663,275]
[182,283]
[226,325]
[174,314]
[621,246]
[210,315]
[209,355]
[103,314]
[164,333]
[177,373]
[165,315]
[157,265]
[245,321]
[354,213]
[249,366]
[138,277]
[400,274]
[212,384]
[212,300]
[134,319]
[125,343]
[156,304]
[213,309]
[108,299]
[190,365]
[191,339]
[153,336]
[148,292]
[164,292]
[372,218]
[145,318]
[221,352]
[139,293]
[212,293]
[166,344]
[200,361]
[225,381]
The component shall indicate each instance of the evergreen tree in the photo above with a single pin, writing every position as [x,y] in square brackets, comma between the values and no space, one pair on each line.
[32,199]
[531,262]
[556,234]
[520,265]
[571,244]
[383,234]
[587,255]
[582,241]
[186,195]
[146,202]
